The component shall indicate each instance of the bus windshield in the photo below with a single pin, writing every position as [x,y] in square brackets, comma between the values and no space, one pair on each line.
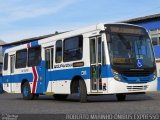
[130,51]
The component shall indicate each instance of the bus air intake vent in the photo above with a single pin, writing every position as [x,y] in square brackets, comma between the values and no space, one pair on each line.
[137,88]
[136,73]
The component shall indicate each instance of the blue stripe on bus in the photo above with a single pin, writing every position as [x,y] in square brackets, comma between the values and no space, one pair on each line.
[141,79]
[65,74]
[34,43]
[17,78]
[68,74]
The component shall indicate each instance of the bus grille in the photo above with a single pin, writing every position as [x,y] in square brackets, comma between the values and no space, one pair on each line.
[137,88]
[136,73]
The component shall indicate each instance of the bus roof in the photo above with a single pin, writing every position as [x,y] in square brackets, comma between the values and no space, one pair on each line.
[62,35]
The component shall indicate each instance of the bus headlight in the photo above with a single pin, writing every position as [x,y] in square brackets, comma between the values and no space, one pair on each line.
[116,75]
[154,75]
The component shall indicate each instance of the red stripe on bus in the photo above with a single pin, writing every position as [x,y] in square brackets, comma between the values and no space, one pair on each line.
[28,45]
[35,78]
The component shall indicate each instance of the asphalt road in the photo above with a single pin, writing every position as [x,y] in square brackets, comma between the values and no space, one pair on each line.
[14,104]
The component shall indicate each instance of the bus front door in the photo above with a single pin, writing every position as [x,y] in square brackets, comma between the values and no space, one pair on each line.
[96,64]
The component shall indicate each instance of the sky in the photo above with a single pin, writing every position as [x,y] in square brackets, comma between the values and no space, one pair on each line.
[20,19]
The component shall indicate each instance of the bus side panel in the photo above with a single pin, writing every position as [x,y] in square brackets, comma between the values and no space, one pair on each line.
[15,85]
[106,75]
[61,79]
[41,82]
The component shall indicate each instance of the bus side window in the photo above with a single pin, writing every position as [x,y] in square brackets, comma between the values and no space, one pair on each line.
[21,58]
[73,49]
[6,61]
[58,51]
[34,56]
[49,55]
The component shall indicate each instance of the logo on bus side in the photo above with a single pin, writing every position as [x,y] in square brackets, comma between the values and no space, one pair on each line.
[24,70]
[63,65]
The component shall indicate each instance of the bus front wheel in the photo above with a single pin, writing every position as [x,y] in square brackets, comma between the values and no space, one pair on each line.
[83,91]
[121,97]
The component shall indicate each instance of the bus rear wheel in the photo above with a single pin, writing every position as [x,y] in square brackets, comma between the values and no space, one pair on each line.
[121,97]
[26,92]
[83,91]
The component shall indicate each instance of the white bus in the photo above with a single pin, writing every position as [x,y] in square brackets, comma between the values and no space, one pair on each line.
[96,60]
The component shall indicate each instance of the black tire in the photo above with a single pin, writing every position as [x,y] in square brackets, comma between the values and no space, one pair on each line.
[1,88]
[60,97]
[121,97]
[26,92]
[36,96]
[83,91]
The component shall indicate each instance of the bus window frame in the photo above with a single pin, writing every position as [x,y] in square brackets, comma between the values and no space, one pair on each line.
[25,61]
[5,67]
[80,37]
[61,51]
[39,62]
